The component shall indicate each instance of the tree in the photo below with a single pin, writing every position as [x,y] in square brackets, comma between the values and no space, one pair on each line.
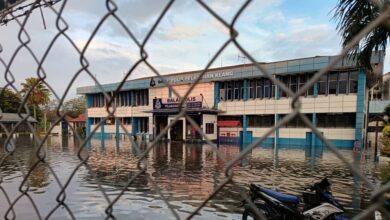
[39,95]
[9,101]
[352,16]
[75,107]
[387,111]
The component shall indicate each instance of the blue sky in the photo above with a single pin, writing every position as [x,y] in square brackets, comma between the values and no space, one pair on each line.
[185,40]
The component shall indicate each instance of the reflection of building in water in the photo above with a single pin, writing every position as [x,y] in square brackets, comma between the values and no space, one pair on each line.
[336,103]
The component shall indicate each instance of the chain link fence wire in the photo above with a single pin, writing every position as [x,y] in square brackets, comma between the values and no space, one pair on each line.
[21,15]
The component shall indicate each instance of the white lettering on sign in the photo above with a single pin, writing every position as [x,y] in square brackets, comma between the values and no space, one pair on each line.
[193,77]
[188,99]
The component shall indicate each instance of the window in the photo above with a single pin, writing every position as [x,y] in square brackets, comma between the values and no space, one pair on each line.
[267,88]
[126,121]
[252,84]
[237,89]
[143,125]
[222,91]
[310,90]
[229,91]
[332,83]
[301,82]
[284,80]
[95,121]
[261,121]
[209,128]
[336,120]
[343,82]
[296,122]
[293,83]
[259,88]
[322,81]
[353,78]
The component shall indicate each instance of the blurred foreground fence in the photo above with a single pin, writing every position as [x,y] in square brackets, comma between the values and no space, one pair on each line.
[21,17]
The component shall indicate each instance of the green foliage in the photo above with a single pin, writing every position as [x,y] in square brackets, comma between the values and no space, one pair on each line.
[39,94]
[75,107]
[354,15]
[385,139]
[387,111]
[9,101]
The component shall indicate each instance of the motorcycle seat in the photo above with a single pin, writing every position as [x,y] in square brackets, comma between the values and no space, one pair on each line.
[280,196]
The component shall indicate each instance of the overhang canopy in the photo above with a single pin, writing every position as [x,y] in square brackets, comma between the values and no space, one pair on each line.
[14,117]
[81,118]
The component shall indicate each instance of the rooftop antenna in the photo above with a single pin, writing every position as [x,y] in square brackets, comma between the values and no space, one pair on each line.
[241,57]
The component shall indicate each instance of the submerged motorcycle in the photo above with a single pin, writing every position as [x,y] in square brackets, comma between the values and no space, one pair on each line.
[319,204]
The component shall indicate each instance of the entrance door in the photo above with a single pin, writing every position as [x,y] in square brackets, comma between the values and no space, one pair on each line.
[161,122]
[177,131]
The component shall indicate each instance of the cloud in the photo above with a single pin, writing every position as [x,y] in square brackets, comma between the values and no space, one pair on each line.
[186,38]
[184,32]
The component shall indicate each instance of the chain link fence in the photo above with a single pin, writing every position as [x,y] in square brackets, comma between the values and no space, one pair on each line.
[24,38]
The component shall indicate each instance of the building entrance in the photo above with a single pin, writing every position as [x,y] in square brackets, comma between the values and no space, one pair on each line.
[177,131]
[161,121]
[191,132]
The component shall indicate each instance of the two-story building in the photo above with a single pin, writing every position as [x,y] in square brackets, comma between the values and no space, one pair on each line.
[235,100]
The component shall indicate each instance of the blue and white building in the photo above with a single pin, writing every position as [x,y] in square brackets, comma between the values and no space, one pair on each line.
[336,104]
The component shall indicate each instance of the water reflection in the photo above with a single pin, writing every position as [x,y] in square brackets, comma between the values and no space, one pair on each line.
[186,174]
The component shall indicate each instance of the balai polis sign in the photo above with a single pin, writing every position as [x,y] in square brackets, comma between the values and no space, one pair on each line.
[172,103]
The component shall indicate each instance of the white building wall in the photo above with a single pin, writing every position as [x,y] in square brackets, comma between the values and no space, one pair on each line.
[210,119]
[321,104]
[293,132]
[339,133]
[259,132]
[128,129]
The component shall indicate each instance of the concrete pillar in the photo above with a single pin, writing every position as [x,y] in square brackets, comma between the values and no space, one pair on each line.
[245,95]
[217,95]
[313,136]
[102,132]
[117,134]
[360,109]
[244,130]
[315,89]
[88,120]
[134,126]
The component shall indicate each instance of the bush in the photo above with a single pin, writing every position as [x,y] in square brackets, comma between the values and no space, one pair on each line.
[385,150]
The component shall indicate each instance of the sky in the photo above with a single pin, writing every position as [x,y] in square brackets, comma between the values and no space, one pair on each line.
[186,38]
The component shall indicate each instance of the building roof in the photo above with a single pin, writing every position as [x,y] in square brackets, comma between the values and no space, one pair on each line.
[309,64]
[14,117]
[81,118]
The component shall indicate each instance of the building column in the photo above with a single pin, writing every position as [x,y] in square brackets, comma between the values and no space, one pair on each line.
[88,120]
[134,126]
[315,89]
[313,135]
[360,108]
[117,128]
[217,96]
[244,130]
[102,132]
[276,119]
[245,95]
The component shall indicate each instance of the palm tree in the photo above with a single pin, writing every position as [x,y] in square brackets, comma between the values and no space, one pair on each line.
[38,96]
[352,16]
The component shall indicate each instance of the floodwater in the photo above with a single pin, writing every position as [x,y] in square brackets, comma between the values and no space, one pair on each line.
[186,174]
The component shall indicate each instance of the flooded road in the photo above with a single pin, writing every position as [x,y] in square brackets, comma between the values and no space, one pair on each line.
[186,174]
